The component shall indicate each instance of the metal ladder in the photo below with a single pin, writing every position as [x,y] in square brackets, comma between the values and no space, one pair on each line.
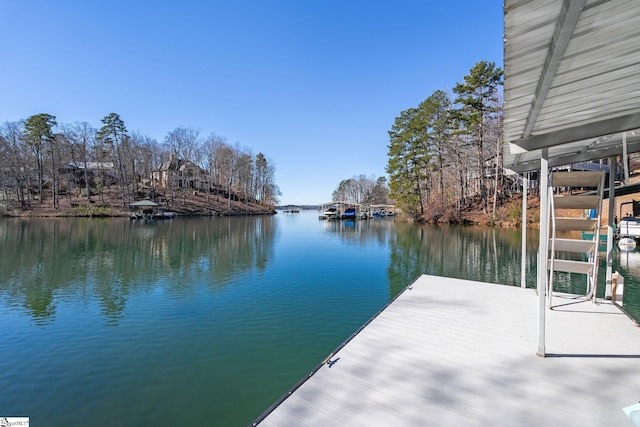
[587,247]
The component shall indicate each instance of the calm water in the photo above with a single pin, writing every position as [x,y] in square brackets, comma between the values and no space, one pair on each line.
[207,321]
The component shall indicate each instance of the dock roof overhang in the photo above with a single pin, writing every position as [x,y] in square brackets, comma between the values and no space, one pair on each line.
[572,81]
[143,204]
[571,94]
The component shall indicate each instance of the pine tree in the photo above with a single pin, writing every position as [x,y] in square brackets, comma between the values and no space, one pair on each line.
[408,159]
[39,133]
[113,134]
[478,99]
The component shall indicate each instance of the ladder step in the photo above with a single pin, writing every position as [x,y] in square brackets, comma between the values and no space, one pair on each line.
[573,245]
[569,266]
[576,202]
[577,179]
[579,224]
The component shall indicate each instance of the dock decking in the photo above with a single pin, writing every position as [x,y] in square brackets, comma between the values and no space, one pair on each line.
[450,352]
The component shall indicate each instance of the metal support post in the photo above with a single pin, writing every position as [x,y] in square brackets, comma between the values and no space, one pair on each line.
[523,266]
[543,252]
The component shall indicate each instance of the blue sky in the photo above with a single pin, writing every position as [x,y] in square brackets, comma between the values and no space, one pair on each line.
[315,85]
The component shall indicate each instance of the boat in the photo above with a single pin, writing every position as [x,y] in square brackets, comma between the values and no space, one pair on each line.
[164,215]
[331,213]
[383,212]
[627,244]
[629,226]
[349,213]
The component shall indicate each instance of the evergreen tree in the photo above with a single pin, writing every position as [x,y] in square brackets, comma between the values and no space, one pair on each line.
[478,100]
[408,160]
[113,134]
[38,134]
[435,118]
[265,171]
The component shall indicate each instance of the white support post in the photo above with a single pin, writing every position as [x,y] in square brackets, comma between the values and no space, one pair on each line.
[610,223]
[625,159]
[523,262]
[543,251]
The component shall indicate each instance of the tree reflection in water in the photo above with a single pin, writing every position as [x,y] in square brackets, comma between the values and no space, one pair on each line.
[47,260]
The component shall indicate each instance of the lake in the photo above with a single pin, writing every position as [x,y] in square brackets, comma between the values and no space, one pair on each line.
[208,321]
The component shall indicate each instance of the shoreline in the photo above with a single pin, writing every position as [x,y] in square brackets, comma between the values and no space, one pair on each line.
[111,205]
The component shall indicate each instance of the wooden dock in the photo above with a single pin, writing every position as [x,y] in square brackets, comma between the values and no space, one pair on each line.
[450,352]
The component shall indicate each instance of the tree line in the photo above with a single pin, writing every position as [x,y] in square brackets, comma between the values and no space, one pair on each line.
[362,189]
[446,152]
[43,158]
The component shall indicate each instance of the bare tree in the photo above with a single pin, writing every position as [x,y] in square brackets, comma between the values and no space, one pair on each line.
[228,162]
[17,159]
[244,174]
[148,157]
[213,150]
[82,137]
[183,142]
[361,189]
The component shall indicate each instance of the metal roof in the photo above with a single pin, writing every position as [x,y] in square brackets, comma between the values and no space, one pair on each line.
[572,80]
[143,203]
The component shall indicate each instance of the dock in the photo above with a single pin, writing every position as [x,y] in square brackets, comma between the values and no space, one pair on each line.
[451,352]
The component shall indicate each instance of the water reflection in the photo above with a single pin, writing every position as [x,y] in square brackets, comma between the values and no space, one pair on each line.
[627,263]
[476,253]
[379,229]
[45,261]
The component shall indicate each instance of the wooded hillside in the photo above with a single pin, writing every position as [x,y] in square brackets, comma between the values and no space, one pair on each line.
[75,169]
[445,153]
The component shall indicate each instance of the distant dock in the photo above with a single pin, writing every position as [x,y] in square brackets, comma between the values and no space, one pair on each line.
[353,211]
[451,352]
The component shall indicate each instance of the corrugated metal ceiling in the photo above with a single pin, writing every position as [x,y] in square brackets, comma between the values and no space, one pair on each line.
[572,80]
